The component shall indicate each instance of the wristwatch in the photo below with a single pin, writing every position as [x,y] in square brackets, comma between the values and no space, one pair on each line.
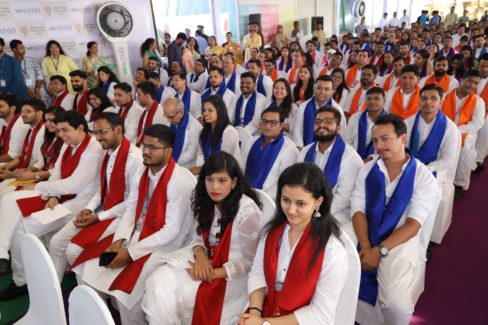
[383,250]
[266,323]
[37,177]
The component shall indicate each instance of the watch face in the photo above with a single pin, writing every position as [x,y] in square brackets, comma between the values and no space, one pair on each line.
[384,251]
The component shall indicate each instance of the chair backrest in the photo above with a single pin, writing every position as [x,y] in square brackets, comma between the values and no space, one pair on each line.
[244,136]
[86,307]
[346,306]
[269,206]
[45,299]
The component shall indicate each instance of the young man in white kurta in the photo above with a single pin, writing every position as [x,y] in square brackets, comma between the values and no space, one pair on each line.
[83,182]
[18,131]
[171,237]
[61,250]
[286,157]
[326,136]
[197,80]
[179,84]
[368,77]
[167,91]
[216,77]
[255,67]
[228,65]
[399,272]
[248,89]
[174,112]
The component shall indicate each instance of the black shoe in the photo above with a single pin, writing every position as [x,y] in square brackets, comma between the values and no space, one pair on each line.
[12,291]
[458,192]
[479,167]
[4,266]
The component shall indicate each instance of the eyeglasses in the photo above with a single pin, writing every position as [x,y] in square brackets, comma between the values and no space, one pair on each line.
[272,123]
[102,131]
[151,147]
[171,117]
[326,121]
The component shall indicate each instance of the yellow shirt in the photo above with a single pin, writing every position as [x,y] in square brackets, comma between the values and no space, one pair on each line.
[320,34]
[61,67]
[251,41]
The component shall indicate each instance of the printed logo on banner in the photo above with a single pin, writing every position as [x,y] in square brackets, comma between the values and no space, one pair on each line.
[90,28]
[6,30]
[5,10]
[56,10]
[32,29]
[26,10]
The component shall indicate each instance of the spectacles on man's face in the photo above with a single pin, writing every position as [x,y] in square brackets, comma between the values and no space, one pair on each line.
[152,148]
[326,121]
[272,123]
[172,116]
[102,131]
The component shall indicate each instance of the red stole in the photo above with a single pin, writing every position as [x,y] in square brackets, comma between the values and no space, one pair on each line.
[210,296]
[28,146]
[397,106]
[351,75]
[82,106]
[69,163]
[124,110]
[300,280]
[379,60]
[443,83]
[87,238]
[467,109]
[155,219]
[59,98]
[324,70]
[50,153]
[5,137]
[147,123]
[387,85]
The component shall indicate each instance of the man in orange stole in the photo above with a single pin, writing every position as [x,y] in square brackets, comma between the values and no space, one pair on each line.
[404,100]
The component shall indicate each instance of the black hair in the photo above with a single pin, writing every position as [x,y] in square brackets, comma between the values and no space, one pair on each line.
[395,120]
[330,109]
[111,75]
[10,99]
[371,67]
[124,86]
[203,206]
[37,104]
[113,119]
[100,94]
[255,61]
[471,73]
[399,58]
[48,45]
[214,68]
[161,132]
[274,109]
[182,36]
[49,136]
[287,103]
[376,90]
[89,46]
[308,93]
[340,89]
[14,43]
[153,76]
[146,45]
[439,90]
[61,79]
[247,74]
[309,177]
[78,73]
[222,121]
[410,68]
[73,118]
[147,88]
[145,71]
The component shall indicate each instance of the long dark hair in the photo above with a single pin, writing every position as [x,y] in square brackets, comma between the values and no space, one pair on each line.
[196,47]
[309,177]
[340,89]
[89,46]
[51,42]
[146,45]
[460,71]
[222,121]
[49,136]
[112,77]
[288,100]
[100,94]
[309,91]
[203,206]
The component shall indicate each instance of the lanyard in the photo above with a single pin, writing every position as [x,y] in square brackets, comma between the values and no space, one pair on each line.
[56,64]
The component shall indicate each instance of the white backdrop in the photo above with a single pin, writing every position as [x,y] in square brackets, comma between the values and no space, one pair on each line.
[72,23]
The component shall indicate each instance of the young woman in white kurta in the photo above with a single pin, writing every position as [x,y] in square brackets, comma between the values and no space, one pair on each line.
[171,291]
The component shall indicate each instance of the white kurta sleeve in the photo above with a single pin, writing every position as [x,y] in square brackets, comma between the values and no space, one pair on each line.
[256,278]
[37,159]
[477,120]
[297,129]
[449,151]
[230,140]
[17,136]
[358,197]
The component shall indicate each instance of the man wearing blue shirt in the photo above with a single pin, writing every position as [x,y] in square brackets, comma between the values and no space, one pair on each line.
[11,79]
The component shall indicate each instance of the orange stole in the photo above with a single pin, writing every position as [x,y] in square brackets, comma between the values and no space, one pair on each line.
[351,75]
[397,106]
[387,86]
[355,101]
[443,83]
[292,74]
[274,75]
[467,110]
[324,70]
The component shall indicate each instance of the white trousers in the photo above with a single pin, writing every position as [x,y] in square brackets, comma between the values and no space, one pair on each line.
[63,252]
[467,163]
[5,187]
[482,142]
[400,283]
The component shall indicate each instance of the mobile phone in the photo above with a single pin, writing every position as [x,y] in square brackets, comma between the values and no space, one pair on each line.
[106,258]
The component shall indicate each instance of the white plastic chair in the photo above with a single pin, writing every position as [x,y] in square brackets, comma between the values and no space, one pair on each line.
[244,136]
[346,306]
[269,206]
[45,298]
[86,307]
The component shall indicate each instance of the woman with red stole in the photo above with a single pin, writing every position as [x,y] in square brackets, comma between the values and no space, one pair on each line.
[300,268]
[204,283]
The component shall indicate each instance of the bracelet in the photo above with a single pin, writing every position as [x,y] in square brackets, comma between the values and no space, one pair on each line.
[256,308]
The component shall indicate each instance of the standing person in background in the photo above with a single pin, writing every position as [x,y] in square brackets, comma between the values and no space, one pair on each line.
[56,62]
[405,19]
[213,48]
[91,62]
[194,49]
[279,39]
[175,49]
[464,19]
[251,40]
[451,18]
[296,33]
[384,21]
[319,33]
[148,50]
[232,47]
[31,71]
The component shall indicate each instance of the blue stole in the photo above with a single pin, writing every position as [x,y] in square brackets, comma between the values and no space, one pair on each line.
[159,94]
[260,161]
[106,86]
[430,148]
[207,85]
[179,131]
[231,84]
[207,149]
[260,86]
[249,110]
[220,91]
[170,79]
[185,99]
[382,217]
[363,149]
[333,165]
[195,76]
[309,120]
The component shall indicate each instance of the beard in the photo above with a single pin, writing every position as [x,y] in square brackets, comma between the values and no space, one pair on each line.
[77,88]
[326,137]
[439,73]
